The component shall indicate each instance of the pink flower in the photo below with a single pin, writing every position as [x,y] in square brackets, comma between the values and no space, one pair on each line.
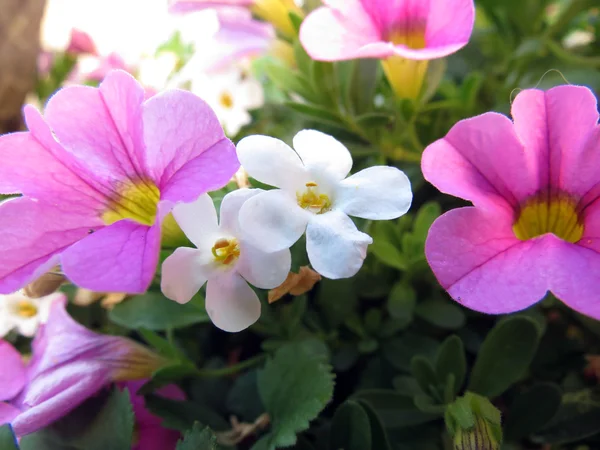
[81,43]
[69,364]
[150,435]
[98,174]
[404,33]
[535,187]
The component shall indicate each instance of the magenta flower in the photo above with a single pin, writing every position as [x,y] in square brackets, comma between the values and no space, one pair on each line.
[535,187]
[404,33]
[98,174]
[69,364]
[81,43]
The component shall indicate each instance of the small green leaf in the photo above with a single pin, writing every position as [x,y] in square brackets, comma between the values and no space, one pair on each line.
[296,20]
[395,410]
[362,84]
[399,351]
[504,356]
[379,439]
[8,440]
[425,218]
[161,345]
[532,410]
[441,313]
[317,113]
[424,373]
[388,254]
[350,428]
[451,360]
[402,301]
[198,438]
[154,311]
[295,385]
[374,120]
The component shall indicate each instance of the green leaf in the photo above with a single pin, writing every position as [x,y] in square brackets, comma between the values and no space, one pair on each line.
[394,409]
[451,360]
[161,345]
[296,21]
[379,439]
[532,410]
[181,415]
[441,313]
[295,385]
[504,356]
[102,422]
[362,84]
[435,75]
[198,438]
[388,254]
[317,113]
[337,300]
[399,351]
[425,218]
[8,440]
[374,120]
[154,311]
[424,373]
[402,302]
[350,428]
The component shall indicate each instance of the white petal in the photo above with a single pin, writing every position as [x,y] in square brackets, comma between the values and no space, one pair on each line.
[335,247]
[272,220]
[184,273]
[263,270]
[6,323]
[249,94]
[272,162]
[377,193]
[28,327]
[197,219]
[233,119]
[231,304]
[44,304]
[230,209]
[322,153]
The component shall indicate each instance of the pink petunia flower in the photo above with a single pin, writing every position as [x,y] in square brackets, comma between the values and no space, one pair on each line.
[69,364]
[405,34]
[149,434]
[535,187]
[98,174]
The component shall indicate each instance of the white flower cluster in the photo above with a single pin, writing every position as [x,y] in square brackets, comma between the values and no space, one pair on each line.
[250,243]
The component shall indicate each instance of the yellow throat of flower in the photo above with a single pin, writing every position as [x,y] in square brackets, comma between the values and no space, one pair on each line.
[406,76]
[226,251]
[135,200]
[277,13]
[312,200]
[556,214]
[25,309]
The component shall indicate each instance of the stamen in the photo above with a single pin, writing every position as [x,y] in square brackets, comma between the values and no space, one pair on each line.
[226,251]
[26,309]
[312,200]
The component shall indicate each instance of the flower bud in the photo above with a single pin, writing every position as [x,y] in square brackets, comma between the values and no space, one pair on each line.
[474,423]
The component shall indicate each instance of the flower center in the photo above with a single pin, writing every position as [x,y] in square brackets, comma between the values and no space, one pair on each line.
[136,200]
[25,309]
[226,100]
[226,251]
[312,200]
[557,215]
[411,38]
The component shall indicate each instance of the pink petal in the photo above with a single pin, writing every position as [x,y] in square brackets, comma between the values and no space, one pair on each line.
[12,374]
[187,150]
[156,438]
[479,261]
[143,417]
[32,234]
[449,26]
[7,413]
[118,258]
[481,160]
[183,6]
[559,129]
[102,126]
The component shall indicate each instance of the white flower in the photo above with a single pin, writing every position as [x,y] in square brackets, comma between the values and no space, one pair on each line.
[25,314]
[231,93]
[315,196]
[224,259]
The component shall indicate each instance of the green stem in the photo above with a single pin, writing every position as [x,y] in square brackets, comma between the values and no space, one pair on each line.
[230,370]
[573,10]
[569,57]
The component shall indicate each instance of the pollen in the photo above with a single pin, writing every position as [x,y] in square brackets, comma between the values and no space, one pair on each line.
[226,100]
[226,251]
[135,200]
[556,214]
[25,309]
[312,200]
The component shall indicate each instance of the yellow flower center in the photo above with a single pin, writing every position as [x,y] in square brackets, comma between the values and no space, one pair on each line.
[277,13]
[226,251]
[406,76]
[137,201]
[312,200]
[25,309]
[226,100]
[557,215]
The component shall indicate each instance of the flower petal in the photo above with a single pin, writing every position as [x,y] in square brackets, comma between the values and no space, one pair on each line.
[479,261]
[449,26]
[272,221]
[102,126]
[376,193]
[198,220]
[322,153]
[482,160]
[12,375]
[32,235]
[179,127]
[7,413]
[119,258]
[336,249]
[272,162]
[230,209]
[263,270]
[231,304]
[184,273]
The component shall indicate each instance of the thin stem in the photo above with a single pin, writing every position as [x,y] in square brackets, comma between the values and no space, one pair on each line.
[567,56]
[230,370]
